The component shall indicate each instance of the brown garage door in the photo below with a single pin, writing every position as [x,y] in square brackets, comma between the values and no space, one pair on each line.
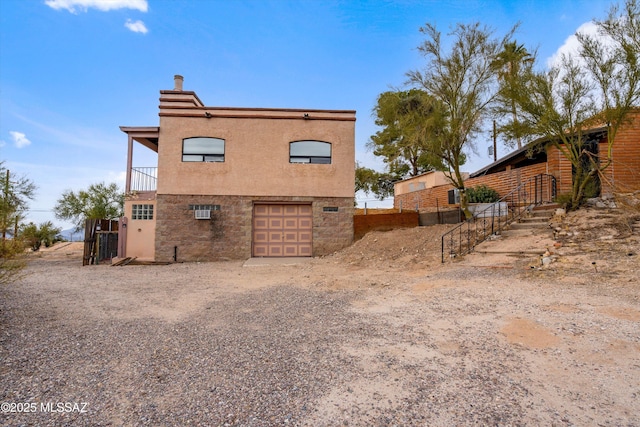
[282,230]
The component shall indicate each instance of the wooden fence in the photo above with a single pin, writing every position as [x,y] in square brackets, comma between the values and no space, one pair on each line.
[100,240]
[362,224]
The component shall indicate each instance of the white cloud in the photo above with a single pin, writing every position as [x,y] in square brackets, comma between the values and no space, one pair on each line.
[571,44]
[119,177]
[19,139]
[102,5]
[136,26]
[70,133]
[2,143]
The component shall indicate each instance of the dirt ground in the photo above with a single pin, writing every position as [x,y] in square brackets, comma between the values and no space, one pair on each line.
[378,334]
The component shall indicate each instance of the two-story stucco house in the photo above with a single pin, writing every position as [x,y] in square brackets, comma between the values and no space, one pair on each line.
[232,183]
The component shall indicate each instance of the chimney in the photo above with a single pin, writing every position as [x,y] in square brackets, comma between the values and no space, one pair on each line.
[177,81]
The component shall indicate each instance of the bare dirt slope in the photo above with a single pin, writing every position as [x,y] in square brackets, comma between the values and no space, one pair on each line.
[380,333]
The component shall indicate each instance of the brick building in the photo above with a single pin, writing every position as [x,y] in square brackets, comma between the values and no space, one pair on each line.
[432,190]
[232,183]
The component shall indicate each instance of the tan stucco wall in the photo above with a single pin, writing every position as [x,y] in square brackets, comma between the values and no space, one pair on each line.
[257,157]
[141,236]
[430,180]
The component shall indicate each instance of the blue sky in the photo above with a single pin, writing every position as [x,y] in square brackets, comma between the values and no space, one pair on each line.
[73,71]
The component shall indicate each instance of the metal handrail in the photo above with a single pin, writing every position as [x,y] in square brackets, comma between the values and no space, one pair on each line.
[144,179]
[465,237]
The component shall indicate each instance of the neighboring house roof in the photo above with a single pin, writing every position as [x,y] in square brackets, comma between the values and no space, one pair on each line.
[423,181]
[526,154]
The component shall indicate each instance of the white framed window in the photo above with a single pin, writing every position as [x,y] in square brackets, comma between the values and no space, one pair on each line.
[318,152]
[202,149]
[142,212]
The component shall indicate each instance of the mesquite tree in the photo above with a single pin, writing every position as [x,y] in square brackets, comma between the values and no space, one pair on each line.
[463,81]
[99,201]
[599,86]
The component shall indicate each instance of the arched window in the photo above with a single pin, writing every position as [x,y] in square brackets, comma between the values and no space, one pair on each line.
[318,152]
[202,149]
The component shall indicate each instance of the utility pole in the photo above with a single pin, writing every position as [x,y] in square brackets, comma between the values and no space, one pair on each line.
[5,209]
[495,142]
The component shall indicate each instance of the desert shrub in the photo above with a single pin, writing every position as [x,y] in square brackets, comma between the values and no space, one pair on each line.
[36,235]
[563,199]
[12,260]
[482,194]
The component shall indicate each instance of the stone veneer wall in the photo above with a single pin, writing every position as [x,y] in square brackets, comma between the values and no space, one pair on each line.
[228,235]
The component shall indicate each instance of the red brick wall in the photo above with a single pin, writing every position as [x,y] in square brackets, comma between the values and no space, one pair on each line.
[427,198]
[624,173]
[502,182]
[560,167]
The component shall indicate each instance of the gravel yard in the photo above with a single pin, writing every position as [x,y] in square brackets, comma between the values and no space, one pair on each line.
[379,334]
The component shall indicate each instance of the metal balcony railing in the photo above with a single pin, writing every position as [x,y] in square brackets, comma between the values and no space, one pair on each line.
[463,239]
[144,179]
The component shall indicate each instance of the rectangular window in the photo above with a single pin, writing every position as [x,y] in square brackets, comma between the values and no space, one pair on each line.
[317,152]
[330,209]
[203,149]
[142,212]
[415,186]
[453,196]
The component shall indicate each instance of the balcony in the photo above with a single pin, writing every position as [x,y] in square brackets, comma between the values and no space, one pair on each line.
[144,179]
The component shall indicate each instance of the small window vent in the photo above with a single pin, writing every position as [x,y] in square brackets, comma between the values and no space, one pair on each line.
[204,207]
[202,214]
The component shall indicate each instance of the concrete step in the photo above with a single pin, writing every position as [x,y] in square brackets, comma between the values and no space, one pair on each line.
[518,242]
[518,235]
[547,207]
[542,214]
[526,232]
[512,252]
[517,232]
[530,236]
[529,225]
[535,219]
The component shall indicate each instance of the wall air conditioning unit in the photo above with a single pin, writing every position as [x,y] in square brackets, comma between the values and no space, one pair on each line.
[203,214]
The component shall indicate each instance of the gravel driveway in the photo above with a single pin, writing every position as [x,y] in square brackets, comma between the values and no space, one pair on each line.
[324,343]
